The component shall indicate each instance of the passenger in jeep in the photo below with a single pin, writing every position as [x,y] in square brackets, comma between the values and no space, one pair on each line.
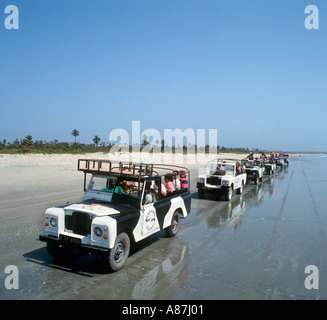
[163,189]
[176,181]
[169,184]
[250,156]
[184,181]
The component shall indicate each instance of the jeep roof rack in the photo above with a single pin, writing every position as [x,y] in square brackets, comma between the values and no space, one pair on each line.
[131,169]
[128,169]
[222,160]
[113,167]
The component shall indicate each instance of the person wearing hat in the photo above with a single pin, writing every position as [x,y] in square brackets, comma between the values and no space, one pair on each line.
[250,156]
[184,181]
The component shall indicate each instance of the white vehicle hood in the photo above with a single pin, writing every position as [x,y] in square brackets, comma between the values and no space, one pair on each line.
[98,209]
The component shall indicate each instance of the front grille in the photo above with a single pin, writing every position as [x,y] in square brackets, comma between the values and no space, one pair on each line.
[215,181]
[79,223]
[250,173]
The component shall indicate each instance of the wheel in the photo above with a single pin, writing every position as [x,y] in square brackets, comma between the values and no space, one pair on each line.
[116,257]
[201,193]
[59,252]
[228,194]
[172,230]
[256,181]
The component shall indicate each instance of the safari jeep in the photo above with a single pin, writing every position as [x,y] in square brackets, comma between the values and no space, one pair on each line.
[221,176]
[285,159]
[255,170]
[122,204]
[270,166]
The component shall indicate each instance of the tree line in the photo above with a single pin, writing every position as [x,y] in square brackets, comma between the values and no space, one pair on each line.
[27,145]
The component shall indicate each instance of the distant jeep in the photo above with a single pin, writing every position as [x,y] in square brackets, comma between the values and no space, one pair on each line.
[222,177]
[281,161]
[286,159]
[122,204]
[255,170]
[270,166]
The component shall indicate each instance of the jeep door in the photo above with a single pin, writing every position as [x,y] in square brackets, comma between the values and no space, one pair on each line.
[160,205]
[149,215]
[150,219]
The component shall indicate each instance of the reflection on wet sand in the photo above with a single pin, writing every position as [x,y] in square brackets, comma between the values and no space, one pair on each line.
[232,213]
[139,279]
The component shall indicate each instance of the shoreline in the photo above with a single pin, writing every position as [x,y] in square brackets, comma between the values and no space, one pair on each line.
[32,159]
[192,160]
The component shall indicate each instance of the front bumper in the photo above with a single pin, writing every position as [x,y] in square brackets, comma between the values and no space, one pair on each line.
[72,243]
[210,187]
[252,176]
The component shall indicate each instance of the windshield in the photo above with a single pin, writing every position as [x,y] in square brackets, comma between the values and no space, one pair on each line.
[102,183]
[129,187]
[220,168]
[128,191]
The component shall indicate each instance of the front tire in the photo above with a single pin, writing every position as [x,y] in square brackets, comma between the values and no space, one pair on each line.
[228,194]
[240,189]
[172,230]
[116,257]
[201,193]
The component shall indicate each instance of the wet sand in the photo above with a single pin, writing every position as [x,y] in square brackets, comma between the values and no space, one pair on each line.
[255,247]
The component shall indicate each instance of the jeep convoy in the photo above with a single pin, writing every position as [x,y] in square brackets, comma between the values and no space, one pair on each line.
[122,204]
[222,177]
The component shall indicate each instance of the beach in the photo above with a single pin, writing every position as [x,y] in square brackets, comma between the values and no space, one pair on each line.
[256,246]
[8,160]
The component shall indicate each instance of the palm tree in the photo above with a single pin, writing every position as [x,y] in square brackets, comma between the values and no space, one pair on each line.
[28,139]
[96,140]
[75,133]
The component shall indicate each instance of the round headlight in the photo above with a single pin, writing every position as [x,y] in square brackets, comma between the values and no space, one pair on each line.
[98,231]
[53,222]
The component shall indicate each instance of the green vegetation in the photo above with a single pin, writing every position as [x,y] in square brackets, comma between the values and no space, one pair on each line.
[27,145]
[52,148]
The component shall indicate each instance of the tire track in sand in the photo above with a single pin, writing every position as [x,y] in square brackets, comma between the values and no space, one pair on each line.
[316,212]
[266,251]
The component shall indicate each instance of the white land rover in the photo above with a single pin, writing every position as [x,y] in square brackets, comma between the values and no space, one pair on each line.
[255,170]
[122,204]
[221,176]
[270,166]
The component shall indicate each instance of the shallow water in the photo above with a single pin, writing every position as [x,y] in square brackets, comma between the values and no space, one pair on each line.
[258,246]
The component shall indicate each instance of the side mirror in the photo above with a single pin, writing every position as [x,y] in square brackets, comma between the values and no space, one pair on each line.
[91,185]
[148,198]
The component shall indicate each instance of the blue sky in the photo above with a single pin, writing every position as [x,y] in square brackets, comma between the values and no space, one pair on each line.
[249,69]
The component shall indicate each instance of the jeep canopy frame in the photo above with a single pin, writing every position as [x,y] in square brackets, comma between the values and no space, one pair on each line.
[139,171]
[225,160]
